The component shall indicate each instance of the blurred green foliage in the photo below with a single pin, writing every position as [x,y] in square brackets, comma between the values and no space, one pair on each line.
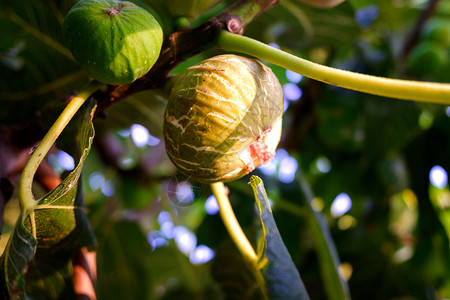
[393,242]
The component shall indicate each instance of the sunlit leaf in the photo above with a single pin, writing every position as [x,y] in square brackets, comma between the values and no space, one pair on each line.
[282,277]
[36,261]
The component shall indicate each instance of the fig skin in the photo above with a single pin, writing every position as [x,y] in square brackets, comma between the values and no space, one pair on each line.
[223,118]
[115,41]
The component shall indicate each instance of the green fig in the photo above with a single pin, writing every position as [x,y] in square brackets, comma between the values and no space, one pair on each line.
[115,41]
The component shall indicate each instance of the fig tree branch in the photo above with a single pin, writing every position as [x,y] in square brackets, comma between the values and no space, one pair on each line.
[414,34]
[185,43]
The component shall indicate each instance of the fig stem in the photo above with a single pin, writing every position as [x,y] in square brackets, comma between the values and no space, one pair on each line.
[232,224]
[394,88]
[26,198]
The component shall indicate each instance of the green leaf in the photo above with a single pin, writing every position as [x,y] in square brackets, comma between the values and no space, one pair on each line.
[335,287]
[231,273]
[145,108]
[36,261]
[283,279]
[299,27]
[124,260]
[37,67]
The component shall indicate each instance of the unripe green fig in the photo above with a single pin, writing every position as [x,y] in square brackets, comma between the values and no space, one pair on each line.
[115,41]
[223,118]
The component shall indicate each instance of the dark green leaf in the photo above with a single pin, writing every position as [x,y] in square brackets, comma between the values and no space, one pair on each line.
[37,67]
[283,279]
[232,275]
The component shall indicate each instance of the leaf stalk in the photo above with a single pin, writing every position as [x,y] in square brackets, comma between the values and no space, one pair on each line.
[26,198]
[429,92]
[232,224]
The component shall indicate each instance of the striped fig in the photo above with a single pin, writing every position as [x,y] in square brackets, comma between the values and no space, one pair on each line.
[223,118]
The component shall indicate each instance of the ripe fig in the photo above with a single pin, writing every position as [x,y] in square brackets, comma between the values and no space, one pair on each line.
[223,118]
[115,41]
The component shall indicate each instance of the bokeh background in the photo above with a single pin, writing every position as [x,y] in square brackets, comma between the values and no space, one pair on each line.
[378,167]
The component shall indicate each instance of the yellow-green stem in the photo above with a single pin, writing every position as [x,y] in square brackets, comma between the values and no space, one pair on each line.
[394,88]
[232,224]
[26,198]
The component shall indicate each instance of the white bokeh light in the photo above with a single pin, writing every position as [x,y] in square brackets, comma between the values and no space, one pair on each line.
[438,177]
[186,240]
[184,192]
[287,169]
[341,205]
[139,134]
[323,164]
[201,255]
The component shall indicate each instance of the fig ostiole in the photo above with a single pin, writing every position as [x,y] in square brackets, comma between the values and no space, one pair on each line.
[223,118]
[115,41]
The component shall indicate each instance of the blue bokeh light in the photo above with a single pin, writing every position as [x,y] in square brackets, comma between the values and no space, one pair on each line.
[96,180]
[268,168]
[65,160]
[341,205]
[167,229]
[163,217]
[447,111]
[293,77]
[366,15]
[152,140]
[274,45]
[286,105]
[124,132]
[202,254]
[292,92]
[108,189]
[438,177]
[211,205]
[156,240]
